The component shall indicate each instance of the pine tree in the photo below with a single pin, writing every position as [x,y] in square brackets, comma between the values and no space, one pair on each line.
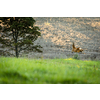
[19,33]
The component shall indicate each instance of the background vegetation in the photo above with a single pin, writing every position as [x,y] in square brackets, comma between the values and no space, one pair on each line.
[19,34]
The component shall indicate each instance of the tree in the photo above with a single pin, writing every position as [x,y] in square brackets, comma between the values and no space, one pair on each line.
[19,33]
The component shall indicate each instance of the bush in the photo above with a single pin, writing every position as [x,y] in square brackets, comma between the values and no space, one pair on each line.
[76,57]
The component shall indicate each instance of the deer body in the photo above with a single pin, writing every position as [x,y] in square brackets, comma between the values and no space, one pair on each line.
[74,49]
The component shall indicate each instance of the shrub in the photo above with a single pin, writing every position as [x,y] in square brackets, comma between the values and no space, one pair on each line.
[76,57]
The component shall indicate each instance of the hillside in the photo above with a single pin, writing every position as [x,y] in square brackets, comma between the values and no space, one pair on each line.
[58,34]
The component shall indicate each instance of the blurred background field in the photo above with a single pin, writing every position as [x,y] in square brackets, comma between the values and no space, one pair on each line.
[58,33]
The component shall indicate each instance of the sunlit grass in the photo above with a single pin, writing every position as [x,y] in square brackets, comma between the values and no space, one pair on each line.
[47,23]
[43,71]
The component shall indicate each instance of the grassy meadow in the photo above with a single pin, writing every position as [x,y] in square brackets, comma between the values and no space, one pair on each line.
[48,71]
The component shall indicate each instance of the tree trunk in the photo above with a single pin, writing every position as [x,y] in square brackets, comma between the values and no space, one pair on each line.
[16,45]
[16,50]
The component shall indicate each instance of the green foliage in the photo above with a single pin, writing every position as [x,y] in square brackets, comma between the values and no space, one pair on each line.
[76,57]
[19,33]
[48,71]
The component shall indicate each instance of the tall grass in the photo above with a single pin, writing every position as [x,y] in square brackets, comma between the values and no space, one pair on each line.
[51,71]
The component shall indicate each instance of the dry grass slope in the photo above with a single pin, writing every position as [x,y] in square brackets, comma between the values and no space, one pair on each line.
[58,33]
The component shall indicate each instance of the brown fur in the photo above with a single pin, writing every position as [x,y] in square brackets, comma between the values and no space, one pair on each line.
[74,49]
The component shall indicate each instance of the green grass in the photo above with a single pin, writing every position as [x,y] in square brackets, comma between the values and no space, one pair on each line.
[48,71]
